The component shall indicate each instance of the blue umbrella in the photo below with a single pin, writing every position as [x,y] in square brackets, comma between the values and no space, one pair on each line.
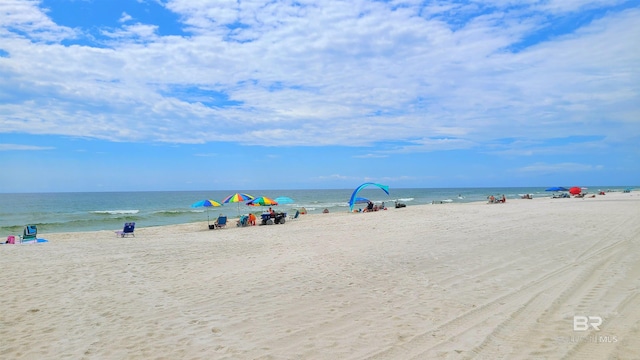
[557,188]
[284,200]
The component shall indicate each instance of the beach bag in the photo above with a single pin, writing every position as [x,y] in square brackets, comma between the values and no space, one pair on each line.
[11,239]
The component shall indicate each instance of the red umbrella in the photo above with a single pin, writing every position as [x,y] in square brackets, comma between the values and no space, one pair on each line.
[575,190]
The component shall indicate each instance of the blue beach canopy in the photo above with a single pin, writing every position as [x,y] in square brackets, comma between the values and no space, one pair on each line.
[353,199]
[557,188]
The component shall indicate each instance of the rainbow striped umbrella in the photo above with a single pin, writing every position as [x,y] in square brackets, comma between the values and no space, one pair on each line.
[237,198]
[262,201]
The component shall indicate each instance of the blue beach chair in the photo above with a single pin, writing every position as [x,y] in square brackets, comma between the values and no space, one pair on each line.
[221,221]
[29,234]
[243,221]
[128,229]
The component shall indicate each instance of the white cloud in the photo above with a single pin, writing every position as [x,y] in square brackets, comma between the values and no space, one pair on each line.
[22,147]
[28,18]
[125,17]
[339,72]
[371,156]
[567,167]
[336,177]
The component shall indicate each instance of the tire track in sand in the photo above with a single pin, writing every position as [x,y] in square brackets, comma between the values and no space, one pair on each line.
[445,340]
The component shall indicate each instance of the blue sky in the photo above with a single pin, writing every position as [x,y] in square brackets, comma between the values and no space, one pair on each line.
[103,95]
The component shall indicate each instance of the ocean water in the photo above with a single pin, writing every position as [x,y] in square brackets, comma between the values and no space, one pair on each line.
[71,212]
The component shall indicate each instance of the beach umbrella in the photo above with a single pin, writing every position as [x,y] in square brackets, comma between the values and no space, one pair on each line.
[575,190]
[262,201]
[557,188]
[237,198]
[361,200]
[284,200]
[207,203]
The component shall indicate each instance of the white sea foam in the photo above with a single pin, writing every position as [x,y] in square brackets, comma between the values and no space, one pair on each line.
[115,212]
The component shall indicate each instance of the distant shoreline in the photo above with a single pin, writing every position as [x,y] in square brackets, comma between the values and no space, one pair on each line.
[73,212]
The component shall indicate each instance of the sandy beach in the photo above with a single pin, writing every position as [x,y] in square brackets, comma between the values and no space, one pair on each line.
[453,281]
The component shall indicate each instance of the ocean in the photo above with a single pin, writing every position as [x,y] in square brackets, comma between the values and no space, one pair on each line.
[71,212]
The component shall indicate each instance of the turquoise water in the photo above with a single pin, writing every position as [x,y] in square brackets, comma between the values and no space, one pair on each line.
[69,212]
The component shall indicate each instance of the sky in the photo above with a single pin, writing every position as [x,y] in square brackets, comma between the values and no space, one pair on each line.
[136,95]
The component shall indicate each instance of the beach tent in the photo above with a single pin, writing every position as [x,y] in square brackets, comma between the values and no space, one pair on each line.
[352,201]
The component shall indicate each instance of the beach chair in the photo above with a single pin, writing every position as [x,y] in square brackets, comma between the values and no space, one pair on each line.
[29,234]
[243,221]
[221,221]
[293,217]
[127,230]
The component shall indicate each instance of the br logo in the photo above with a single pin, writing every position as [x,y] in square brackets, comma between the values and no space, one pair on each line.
[582,323]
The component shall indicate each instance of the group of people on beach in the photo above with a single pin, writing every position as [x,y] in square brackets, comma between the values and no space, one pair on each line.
[494,200]
[373,207]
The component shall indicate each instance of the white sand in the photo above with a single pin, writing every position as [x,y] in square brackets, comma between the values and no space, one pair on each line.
[452,281]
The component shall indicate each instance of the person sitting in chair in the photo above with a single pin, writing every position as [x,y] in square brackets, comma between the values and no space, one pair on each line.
[369,207]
